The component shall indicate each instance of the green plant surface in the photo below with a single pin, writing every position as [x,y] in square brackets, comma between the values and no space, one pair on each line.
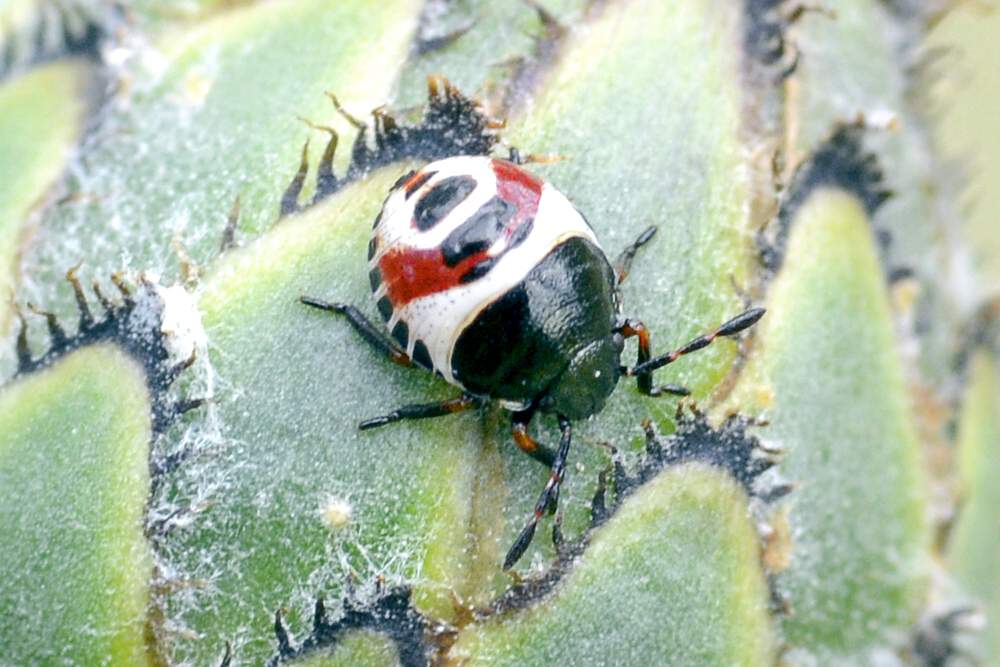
[638,594]
[976,540]
[73,487]
[41,118]
[826,367]
[497,40]
[209,115]
[847,65]
[435,504]
[156,12]
[643,104]
[410,487]
[686,171]
[358,649]
[279,499]
[848,70]
[965,95]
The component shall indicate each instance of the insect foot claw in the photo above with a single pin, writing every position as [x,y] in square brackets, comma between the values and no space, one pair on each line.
[672,389]
[742,321]
[520,545]
[322,305]
[375,422]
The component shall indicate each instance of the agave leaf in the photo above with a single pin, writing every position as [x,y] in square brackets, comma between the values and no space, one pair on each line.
[855,49]
[826,369]
[975,542]
[643,103]
[360,649]
[964,92]
[296,447]
[481,45]
[637,595]
[647,103]
[207,114]
[74,481]
[41,117]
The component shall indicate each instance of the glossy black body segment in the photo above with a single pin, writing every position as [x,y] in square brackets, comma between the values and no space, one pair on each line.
[521,346]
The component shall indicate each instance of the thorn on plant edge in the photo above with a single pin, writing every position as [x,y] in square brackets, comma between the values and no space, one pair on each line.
[138,336]
[391,614]
[729,447]
[841,162]
[452,125]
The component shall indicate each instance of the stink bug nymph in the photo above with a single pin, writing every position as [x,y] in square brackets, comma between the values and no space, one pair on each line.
[489,277]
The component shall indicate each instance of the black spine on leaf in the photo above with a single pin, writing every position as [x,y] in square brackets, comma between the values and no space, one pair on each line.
[840,162]
[140,338]
[452,125]
[764,32]
[391,614]
[57,30]
[729,447]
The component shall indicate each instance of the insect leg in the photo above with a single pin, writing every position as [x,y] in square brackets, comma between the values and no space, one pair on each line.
[422,411]
[645,379]
[624,262]
[536,450]
[732,327]
[363,326]
[547,500]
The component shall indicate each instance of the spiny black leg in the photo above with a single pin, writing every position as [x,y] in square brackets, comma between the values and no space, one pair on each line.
[363,326]
[547,500]
[645,379]
[422,411]
[742,321]
[624,262]
[527,444]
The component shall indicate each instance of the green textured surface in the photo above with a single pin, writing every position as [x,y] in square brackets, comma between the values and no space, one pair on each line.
[644,104]
[433,502]
[847,66]
[208,113]
[640,594]
[73,486]
[294,445]
[966,96]
[975,547]
[502,37]
[40,120]
[826,352]
[156,12]
[357,649]
[849,69]
[677,163]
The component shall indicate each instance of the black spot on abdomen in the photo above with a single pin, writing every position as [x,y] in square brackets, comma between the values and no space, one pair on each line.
[440,200]
[479,232]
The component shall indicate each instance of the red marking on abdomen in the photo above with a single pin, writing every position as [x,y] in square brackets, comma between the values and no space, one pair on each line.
[411,273]
[519,187]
